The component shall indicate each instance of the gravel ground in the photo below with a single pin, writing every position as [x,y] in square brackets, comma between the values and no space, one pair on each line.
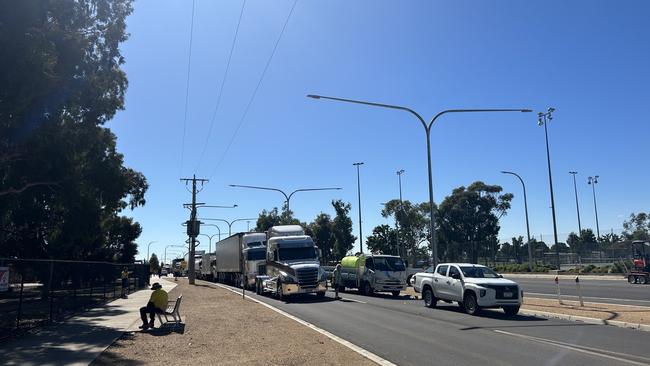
[629,314]
[222,329]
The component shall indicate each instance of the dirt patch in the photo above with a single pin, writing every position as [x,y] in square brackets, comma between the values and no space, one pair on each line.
[223,329]
[629,314]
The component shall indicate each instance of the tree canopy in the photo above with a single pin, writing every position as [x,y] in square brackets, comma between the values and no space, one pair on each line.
[63,184]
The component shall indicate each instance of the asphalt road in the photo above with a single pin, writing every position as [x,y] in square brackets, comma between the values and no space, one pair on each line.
[404,332]
[605,291]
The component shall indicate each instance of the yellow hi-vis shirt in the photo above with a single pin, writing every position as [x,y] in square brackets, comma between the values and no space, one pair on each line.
[125,274]
[159,299]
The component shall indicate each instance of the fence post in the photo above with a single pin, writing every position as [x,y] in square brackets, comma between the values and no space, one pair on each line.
[49,291]
[20,300]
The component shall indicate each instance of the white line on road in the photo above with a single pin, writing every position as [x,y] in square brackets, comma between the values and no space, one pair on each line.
[582,349]
[349,299]
[588,297]
[363,352]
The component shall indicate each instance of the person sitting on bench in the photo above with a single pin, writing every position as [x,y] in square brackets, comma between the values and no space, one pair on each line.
[157,304]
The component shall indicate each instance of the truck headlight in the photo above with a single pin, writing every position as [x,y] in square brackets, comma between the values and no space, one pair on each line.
[287,278]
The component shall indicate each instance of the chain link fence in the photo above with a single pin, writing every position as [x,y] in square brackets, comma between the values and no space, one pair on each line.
[36,292]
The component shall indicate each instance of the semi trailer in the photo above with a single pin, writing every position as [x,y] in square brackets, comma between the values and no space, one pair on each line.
[239,259]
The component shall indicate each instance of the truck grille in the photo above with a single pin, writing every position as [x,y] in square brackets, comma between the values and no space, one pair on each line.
[501,289]
[307,277]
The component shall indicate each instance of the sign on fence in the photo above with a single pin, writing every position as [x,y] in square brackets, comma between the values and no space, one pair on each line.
[4,279]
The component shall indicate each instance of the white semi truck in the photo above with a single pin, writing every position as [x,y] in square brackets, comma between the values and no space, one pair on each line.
[239,259]
[292,264]
[373,273]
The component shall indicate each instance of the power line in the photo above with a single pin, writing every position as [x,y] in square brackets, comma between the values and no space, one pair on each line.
[223,82]
[257,87]
[187,87]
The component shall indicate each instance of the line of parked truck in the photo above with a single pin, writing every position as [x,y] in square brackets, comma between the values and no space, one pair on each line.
[285,262]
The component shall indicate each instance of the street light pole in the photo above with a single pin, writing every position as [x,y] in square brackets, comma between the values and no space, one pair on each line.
[593,181]
[427,129]
[218,229]
[543,119]
[229,223]
[530,250]
[286,196]
[148,246]
[575,190]
[209,241]
[359,196]
[399,178]
[171,245]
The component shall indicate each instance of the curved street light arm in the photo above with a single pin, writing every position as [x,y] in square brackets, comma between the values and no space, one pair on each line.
[474,110]
[391,106]
[256,187]
[313,189]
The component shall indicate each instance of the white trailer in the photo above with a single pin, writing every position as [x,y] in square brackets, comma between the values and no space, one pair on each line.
[237,258]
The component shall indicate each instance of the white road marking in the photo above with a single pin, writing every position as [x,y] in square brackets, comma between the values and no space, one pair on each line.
[589,297]
[349,299]
[363,352]
[582,349]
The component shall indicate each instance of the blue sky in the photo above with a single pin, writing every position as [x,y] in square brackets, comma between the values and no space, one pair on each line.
[588,59]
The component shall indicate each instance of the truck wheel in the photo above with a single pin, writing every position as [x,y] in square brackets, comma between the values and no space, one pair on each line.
[641,280]
[367,289]
[631,279]
[278,291]
[429,298]
[470,304]
[341,288]
[320,294]
[511,310]
[395,293]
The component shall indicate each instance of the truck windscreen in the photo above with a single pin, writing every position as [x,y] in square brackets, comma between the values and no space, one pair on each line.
[289,254]
[389,264]
[255,255]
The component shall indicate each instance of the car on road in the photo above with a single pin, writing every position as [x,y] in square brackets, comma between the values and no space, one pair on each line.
[472,286]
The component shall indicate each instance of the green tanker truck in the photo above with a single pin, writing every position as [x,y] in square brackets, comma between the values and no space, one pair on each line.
[373,273]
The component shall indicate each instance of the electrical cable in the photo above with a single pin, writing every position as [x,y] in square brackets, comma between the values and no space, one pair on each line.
[187,89]
[223,82]
[257,87]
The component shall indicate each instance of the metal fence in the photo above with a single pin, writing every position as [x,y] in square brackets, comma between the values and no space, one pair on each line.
[36,292]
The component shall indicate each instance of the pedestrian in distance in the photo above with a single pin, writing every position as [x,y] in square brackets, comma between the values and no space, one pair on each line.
[156,305]
[125,283]
[336,279]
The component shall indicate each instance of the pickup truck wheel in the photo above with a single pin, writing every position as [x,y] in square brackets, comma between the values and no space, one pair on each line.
[429,298]
[471,305]
[395,293]
[511,310]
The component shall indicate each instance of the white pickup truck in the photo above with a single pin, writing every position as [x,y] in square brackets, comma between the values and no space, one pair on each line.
[471,285]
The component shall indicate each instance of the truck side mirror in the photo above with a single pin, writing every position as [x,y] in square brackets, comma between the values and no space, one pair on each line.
[455,276]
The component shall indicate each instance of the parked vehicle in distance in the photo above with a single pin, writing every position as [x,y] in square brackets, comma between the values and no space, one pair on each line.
[292,264]
[206,268]
[473,286]
[373,273]
[239,259]
[641,272]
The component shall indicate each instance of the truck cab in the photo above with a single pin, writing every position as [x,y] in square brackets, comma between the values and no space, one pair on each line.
[253,257]
[292,264]
[373,273]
